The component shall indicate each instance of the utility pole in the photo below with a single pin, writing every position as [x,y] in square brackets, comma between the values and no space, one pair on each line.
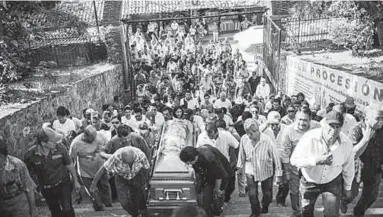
[95,15]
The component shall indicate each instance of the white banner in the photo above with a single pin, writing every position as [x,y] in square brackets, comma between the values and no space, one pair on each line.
[323,85]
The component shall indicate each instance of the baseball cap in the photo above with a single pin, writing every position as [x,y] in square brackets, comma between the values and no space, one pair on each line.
[334,117]
[273,117]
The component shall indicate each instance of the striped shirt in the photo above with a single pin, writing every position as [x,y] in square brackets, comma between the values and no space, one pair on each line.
[259,159]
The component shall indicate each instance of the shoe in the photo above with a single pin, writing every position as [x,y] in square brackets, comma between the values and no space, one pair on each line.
[280,204]
[265,209]
[227,199]
[109,205]
[242,194]
[98,208]
[343,208]
[254,215]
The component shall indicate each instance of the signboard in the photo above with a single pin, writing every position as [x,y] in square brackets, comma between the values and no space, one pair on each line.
[323,85]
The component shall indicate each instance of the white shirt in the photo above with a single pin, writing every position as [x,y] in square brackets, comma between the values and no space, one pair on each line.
[228,120]
[219,104]
[159,120]
[192,103]
[311,146]
[223,142]
[199,123]
[348,124]
[263,91]
[64,128]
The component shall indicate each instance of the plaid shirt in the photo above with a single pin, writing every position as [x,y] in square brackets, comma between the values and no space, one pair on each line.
[116,165]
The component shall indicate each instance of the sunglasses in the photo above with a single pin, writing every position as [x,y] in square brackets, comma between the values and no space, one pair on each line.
[115,122]
[291,111]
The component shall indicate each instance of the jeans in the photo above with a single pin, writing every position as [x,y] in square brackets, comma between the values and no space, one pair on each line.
[132,193]
[294,192]
[283,191]
[205,198]
[267,191]
[331,195]
[241,180]
[369,195]
[59,199]
[113,190]
[229,188]
[103,195]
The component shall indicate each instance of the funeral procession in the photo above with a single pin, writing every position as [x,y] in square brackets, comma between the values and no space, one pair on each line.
[191,108]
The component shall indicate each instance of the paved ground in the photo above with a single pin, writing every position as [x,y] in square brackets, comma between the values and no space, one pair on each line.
[238,207]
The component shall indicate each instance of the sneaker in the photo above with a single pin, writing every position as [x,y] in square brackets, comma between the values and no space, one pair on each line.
[280,204]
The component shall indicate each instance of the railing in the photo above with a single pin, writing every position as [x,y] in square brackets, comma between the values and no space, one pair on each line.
[272,50]
[307,31]
[65,47]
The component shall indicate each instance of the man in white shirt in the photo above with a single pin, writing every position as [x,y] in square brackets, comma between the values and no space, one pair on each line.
[349,120]
[290,138]
[222,140]
[189,101]
[137,120]
[222,102]
[63,124]
[326,160]
[159,119]
[127,118]
[263,89]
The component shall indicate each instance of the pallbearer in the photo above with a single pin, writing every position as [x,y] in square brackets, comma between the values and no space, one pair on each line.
[130,166]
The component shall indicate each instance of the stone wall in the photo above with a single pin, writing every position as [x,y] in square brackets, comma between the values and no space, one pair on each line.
[19,127]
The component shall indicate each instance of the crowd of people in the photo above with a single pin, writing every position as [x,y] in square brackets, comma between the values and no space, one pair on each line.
[247,136]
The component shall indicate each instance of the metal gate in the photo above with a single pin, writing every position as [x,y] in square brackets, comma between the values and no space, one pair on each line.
[272,50]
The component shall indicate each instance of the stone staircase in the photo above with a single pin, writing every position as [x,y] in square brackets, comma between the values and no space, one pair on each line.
[237,207]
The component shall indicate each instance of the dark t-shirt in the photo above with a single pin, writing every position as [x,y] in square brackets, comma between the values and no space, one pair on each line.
[212,165]
[238,126]
[372,156]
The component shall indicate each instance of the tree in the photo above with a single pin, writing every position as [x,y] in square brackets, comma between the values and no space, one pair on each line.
[22,22]
[353,28]
[354,25]
[15,18]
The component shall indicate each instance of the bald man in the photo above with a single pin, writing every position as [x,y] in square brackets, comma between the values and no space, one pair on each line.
[85,152]
[130,166]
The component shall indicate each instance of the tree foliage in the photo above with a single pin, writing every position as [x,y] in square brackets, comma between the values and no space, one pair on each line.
[356,23]
[23,22]
[354,29]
